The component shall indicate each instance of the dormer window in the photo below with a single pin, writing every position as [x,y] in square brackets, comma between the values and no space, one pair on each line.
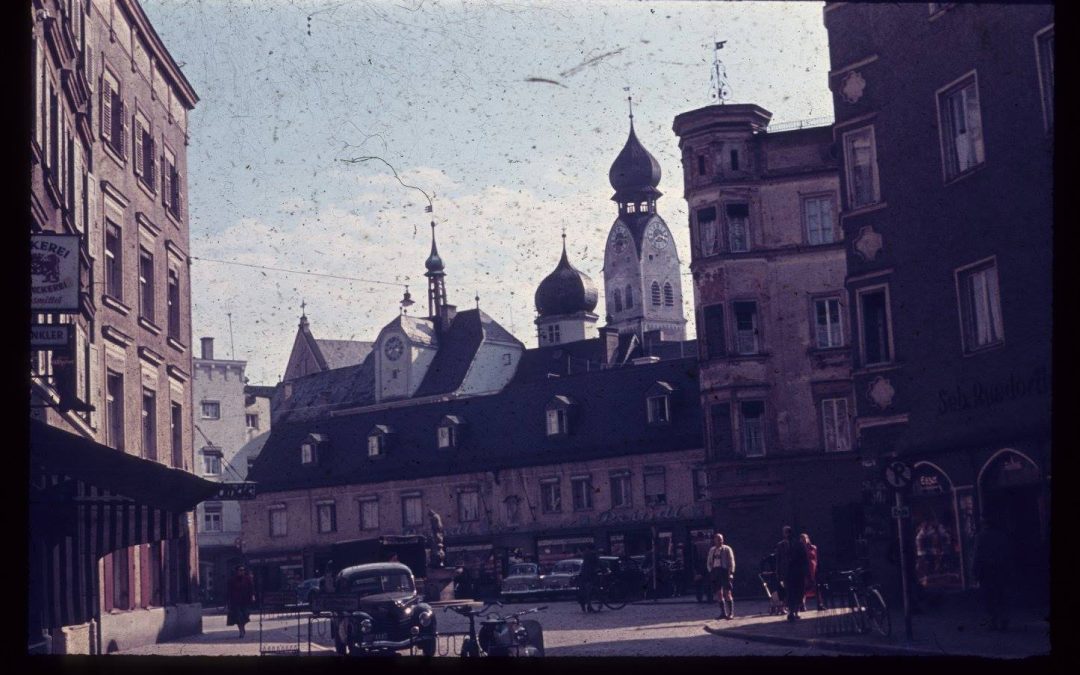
[309,449]
[558,416]
[448,431]
[377,440]
[658,403]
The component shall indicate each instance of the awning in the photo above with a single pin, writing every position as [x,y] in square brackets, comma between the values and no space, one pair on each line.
[54,451]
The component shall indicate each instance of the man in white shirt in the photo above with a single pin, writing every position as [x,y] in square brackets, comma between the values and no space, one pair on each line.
[721,566]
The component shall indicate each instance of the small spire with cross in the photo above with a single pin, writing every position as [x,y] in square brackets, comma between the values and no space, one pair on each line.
[303,305]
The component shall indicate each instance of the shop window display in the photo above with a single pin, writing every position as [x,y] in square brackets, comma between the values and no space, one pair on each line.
[937,546]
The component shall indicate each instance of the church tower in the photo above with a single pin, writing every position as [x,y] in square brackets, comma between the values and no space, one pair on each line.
[565,301]
[642,280]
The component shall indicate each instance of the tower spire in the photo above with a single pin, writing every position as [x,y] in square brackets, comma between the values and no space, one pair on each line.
[435,274]
[630,102]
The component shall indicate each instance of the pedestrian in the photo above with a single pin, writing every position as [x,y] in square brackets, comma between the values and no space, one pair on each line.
[590,564]
[793,566]
[811,574]
[721,566]
[991,569]
[326,583]
[240,595]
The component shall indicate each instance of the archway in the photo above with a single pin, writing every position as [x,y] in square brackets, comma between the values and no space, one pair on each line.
[938,546]
[1012,494]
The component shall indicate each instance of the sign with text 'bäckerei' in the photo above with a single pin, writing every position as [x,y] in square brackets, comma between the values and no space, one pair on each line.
[235,491]
[54,336]
[54,273]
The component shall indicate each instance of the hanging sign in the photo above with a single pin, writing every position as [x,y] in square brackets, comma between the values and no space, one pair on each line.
[235,491]
[54,273]
[50,336]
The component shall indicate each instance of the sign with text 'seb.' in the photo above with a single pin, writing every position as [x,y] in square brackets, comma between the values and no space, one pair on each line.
[54,273]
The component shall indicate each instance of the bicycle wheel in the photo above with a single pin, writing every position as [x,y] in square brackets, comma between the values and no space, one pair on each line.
[858,612]
[615,597]
[596,602]
[877,613]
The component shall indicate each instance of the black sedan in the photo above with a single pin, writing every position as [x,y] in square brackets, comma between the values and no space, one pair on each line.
[383,612]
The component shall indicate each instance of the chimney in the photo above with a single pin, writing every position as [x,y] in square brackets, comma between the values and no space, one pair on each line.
[207,348]
[446,315]
[609,343]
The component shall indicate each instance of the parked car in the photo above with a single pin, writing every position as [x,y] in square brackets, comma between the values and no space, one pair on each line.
[305,589]
[562,579]
[522,581]
[385,612]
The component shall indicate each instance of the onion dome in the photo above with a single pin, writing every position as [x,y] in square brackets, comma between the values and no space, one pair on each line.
[565,291]
[635,173]
[434,263]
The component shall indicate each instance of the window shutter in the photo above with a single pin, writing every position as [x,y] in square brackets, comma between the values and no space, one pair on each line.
[166,189]
[106,111]
[178,182]
[122,128]
[137,159]
[95,395]
[721,441]
[151,165]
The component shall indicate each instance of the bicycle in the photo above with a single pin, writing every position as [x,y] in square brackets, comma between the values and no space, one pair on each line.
[607,591]
[865,600]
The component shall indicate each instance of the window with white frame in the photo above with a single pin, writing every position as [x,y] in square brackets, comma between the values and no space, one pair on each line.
[251,420]
[875,331]
[581,492]
[738,223]
[146,284]
[961,127]
[556,421]
[655,486]
[211,410]
[468,505]
[980,306]
[212,518]
[834,423]
[818,216]
[860,162]
[278,522]
[369,514]
[412,510]
[659,409]
[708,241]
[752,421]
[746,327]
[620,489]
[827,323]
[1044,45]
[550,495]
[149,424]
[173,300]
[307,453]
[374,445]
[211,461]
[114,409]
[114,261]
[326,517]
[701,485]
[446,435]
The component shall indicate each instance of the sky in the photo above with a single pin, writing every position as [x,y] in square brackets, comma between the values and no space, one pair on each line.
[452,95]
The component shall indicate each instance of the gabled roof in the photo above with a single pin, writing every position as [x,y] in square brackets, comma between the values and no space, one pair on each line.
[342,353]
[510,429]
[318,393]
[457,350]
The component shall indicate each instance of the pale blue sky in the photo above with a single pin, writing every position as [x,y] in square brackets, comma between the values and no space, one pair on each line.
[290,88]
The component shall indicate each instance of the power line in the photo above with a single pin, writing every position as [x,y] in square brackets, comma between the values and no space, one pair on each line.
[314,274]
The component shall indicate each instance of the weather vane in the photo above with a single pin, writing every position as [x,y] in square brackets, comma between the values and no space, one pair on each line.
[718,87]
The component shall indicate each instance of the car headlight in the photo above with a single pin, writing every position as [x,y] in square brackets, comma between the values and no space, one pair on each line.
[407,611]
[415,630]
[425,618]
[365,625]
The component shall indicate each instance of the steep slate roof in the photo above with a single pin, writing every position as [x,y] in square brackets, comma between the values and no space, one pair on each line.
[574,358]
[457,350]
[313,395]
[341,353]
[506,430]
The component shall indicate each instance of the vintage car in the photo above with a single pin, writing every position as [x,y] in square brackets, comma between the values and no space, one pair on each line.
[562,579]
[522,581]
[376,608]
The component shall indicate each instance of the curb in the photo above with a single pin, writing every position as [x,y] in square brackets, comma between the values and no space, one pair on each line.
[831,645]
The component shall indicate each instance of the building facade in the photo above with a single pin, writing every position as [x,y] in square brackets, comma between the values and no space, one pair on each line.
[944,128]
[232,421]
[109,164]
[769,267]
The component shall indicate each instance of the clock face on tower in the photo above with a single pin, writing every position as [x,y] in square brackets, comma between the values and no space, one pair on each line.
[620,240]
[658,237]
[393,348]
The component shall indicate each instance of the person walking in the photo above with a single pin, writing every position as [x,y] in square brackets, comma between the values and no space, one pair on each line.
[794,570]
[811,573]
[991,569]
[721,566]
[590,564]
[240,595]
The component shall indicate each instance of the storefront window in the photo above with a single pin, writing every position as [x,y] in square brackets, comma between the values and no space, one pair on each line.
[937,544]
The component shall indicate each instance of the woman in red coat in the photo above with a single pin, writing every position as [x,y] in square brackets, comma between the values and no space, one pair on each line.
[240,595]
[811,573]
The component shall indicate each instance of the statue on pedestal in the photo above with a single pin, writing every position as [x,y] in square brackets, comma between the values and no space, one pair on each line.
[438,548]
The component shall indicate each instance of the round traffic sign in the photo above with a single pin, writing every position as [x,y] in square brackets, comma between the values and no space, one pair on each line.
[897,474]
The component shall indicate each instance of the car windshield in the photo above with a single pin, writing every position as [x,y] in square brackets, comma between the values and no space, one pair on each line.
[523,570]
[566,567]
[381,582]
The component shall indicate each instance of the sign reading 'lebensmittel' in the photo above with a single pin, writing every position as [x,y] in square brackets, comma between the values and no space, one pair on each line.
[54,273]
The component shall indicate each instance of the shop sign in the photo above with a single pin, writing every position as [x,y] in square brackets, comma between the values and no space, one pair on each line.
[981,394]
[50,336]
[54,273]
[1012,469]
[235,492]
[927,482]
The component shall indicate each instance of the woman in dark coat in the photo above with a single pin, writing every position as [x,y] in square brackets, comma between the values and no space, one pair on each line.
[240,595]
[798,566]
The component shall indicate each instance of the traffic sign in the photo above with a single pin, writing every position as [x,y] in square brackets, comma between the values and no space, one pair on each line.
[901,512]
[898,474]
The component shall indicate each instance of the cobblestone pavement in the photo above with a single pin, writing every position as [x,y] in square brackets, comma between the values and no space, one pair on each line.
[645,629]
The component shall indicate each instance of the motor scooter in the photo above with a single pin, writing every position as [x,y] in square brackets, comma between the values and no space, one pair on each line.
[501,635]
